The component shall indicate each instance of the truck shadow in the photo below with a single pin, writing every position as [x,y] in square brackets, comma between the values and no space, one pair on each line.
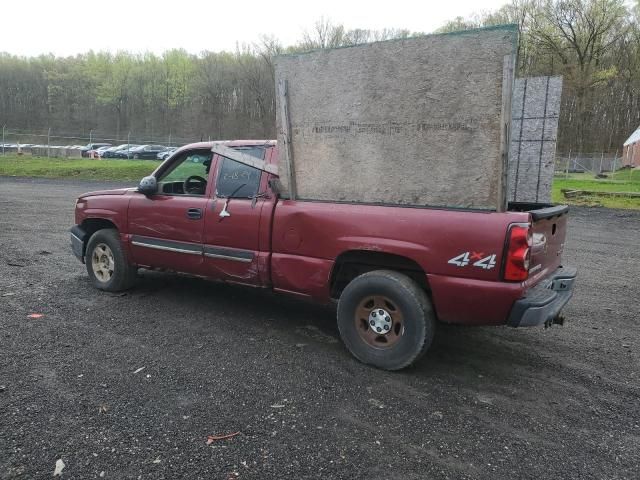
[482,351]
[456,350]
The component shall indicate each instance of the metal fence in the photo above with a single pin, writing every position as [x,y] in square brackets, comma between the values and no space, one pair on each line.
[595,163]
[51,143]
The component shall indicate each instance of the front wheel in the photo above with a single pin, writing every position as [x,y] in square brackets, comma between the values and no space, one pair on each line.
[136,156]
[106,263]
[385,319]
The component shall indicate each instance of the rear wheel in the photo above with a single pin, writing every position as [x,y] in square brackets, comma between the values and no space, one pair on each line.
[136,156]
[106,263]
[385,319]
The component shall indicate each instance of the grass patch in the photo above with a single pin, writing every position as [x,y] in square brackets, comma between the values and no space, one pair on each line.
[82,169]
[621,181]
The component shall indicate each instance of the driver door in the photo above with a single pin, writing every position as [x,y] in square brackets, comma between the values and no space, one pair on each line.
[165,229]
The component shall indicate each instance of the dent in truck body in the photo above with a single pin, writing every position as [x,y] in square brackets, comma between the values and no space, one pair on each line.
[233,268]
[301,275]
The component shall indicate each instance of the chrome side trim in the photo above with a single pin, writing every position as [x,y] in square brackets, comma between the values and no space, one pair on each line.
[226,253]
[74,236]
[168,249]
[228,257]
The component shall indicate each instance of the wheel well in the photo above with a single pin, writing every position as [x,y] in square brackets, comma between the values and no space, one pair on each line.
[92,225]
[351,264]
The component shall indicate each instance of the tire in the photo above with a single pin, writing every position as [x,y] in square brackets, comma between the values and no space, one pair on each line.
[106,263]
[136,157]
[407,326]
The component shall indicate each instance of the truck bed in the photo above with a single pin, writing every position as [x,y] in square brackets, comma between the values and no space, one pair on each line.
[311,237]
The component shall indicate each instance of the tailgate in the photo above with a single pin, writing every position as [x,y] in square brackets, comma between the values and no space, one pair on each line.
[549,231]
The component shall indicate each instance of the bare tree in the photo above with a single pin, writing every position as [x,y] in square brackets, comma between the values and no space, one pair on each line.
[580,33]
[325,34]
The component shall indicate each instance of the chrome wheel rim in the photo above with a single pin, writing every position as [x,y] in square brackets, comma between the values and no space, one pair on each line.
[102,262]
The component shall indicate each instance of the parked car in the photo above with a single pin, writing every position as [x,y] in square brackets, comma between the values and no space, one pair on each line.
[18,146]
[167,153]
[125,151]
[149,152]
[142,152]
[86,150]
[100,151]
[110,152]
[395,271]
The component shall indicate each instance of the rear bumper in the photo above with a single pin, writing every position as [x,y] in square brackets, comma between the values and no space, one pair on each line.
[78,237]
[544,302]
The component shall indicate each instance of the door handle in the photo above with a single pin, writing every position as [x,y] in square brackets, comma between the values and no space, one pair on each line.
[194,213]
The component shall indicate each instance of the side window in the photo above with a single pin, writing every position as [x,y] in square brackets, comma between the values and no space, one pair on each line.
[237,179]
[190,165]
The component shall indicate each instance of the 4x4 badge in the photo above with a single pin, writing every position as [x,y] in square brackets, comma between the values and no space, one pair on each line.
[481,261]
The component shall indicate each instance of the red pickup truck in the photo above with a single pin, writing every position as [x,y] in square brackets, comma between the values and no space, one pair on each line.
[395,271]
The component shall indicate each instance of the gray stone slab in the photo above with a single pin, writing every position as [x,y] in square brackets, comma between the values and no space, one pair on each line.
[412,121]
[534,128]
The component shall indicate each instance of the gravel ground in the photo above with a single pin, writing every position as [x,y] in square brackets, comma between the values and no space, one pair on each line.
[130,386]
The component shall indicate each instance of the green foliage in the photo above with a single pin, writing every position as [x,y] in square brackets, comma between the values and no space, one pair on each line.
[603,75]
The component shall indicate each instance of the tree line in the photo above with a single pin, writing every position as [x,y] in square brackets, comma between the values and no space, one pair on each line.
[593,44]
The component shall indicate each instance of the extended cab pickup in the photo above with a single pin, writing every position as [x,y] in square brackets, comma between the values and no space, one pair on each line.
[394,270]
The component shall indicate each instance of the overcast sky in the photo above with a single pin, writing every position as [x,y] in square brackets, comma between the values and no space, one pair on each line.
[67,27]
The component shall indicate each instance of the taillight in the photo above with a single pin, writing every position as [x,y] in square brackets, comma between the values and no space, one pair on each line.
[516,266]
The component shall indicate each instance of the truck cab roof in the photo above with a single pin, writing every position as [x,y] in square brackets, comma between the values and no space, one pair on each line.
[228,143]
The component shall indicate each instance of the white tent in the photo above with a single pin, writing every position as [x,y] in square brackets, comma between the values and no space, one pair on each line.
[635,137]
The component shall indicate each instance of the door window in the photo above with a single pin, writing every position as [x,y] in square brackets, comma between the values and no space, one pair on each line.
[237,180]
[187,175]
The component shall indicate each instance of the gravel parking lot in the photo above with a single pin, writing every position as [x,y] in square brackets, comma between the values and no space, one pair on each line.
[130,385]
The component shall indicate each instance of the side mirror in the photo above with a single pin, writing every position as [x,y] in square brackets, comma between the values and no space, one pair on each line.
[148,185]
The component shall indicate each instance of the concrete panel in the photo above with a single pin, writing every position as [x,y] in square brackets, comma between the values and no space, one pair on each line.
[534,129]
[412,121]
